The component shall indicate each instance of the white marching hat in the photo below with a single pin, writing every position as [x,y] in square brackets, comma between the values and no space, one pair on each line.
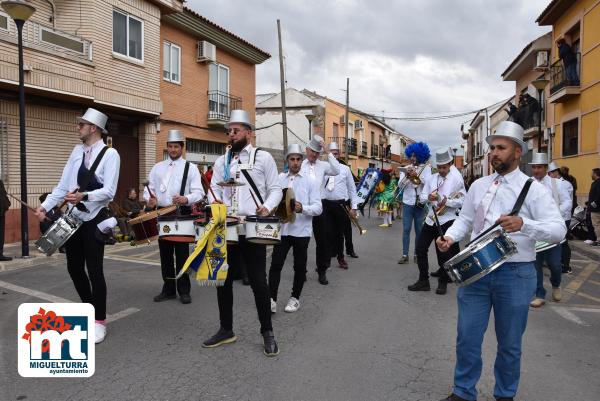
[174,135]
[315,143]
[553,166]
[239,117]
[443,156]
[333,146]
[539,158]
[510,130]
[294,149]
[93,116]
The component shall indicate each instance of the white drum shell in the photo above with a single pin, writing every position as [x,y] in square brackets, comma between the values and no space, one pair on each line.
[176,228]
[266,232]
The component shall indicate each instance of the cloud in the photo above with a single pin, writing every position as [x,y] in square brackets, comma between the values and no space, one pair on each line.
[400,56]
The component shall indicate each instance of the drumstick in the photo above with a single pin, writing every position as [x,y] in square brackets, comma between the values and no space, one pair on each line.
[27,206]
[209,188]
[437,222]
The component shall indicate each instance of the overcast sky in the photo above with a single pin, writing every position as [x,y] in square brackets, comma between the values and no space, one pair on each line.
[403,58]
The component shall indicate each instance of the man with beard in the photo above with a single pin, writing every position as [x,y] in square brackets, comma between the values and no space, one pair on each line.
[257,170]
[89,192]
[174,182]
[509,288]
[316,170]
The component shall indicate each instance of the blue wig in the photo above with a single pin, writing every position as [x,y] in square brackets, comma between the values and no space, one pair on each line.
[420,149]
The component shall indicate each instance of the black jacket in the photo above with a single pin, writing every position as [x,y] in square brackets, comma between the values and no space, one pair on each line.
[4,201]
[594,197]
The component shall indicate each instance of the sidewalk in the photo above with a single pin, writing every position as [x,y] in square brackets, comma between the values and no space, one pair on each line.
[592,252]
[35,257]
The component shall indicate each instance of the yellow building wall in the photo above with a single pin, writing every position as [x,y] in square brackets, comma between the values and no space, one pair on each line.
[586,106]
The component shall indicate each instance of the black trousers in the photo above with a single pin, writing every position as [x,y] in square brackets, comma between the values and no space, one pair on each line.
[255,256]
[348,233]
[336,219]
[321,233]
[173,256]
[566,249]
[426,237]
[2,226]
[299,246]
[83,250]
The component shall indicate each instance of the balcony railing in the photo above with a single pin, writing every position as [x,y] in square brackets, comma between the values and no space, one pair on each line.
[220,105]
[364,148]
[42,36]
[561,77]
[341,141]
[374,150]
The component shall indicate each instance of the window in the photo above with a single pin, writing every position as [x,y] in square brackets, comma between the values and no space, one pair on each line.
[335,130]
[218,89]
[3,22]
[128,35]
[171,62]
[570,138]
[204,147]
[61,40]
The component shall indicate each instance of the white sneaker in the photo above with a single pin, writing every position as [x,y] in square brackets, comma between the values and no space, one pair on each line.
[100,332]
[293,305]
[273,306]
[588,241]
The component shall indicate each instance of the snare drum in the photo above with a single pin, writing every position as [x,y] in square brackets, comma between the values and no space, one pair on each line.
[58,234]
[176,228]
[480,258]
[145,226]
[541,246]
[263,230]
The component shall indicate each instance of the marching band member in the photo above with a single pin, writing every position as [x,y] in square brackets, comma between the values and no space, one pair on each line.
[295,234]
[552,256]
[174,182]
[316,170]
[337,190]
[442,190]
[90,195]
[412,209]
[385,199]
[263,181]
[556,172]
[509,288]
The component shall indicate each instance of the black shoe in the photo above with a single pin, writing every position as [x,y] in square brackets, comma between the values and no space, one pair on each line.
[271,348]
[222,337]
[5,258]
[245,280]
[163,297]
[437,273]
[567,270]
[441,290]
[323,279]
[505,399]
[185,299]
[352,254]
[453,397]
[421,285]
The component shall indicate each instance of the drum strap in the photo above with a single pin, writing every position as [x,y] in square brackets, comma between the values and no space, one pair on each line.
[249,178]
[186,169]
[92,170]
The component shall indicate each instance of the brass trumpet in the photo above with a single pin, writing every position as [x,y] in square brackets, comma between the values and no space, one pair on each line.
[414,179]
[354,220]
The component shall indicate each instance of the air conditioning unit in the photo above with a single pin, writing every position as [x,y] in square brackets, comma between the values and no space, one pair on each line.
[542,59]
[358,124]
[206,52]
[343,119]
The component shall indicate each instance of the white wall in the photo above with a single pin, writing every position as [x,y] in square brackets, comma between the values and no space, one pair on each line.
[272,137]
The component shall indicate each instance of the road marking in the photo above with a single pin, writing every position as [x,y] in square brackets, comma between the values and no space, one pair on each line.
[149,255]
[592,310]
[132,260]
[578,281]
[581,294]
[55,299]
[569,315]
[594,282]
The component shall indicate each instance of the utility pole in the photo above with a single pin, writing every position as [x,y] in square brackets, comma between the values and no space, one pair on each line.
[282,79]
[346,117]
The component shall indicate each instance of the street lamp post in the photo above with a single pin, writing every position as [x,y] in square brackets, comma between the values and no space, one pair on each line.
[310,118]
[20,12]
[540,84]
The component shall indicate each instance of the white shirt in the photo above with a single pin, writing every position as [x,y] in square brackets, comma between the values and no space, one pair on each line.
[560,194]
[165,182]
[319,169]
[412,191]
[541,218]
[107,173]
[343,187]
[263,173]
[308,193]
[451,185]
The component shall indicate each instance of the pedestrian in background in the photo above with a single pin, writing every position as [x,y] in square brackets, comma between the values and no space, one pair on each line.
[594,203]
[4,206]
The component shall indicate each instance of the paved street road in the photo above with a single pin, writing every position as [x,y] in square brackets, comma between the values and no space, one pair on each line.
[363,337]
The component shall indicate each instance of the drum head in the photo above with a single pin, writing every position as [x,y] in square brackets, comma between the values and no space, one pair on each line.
[144,217]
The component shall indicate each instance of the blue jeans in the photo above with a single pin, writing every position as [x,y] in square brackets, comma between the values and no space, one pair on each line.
[410,214]
[552,257]
[507,290]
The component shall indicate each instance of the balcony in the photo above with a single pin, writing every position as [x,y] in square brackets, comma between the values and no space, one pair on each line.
[353,144]
[364,149]
[50,40]
[220,105]
[374,150]
[562,86]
